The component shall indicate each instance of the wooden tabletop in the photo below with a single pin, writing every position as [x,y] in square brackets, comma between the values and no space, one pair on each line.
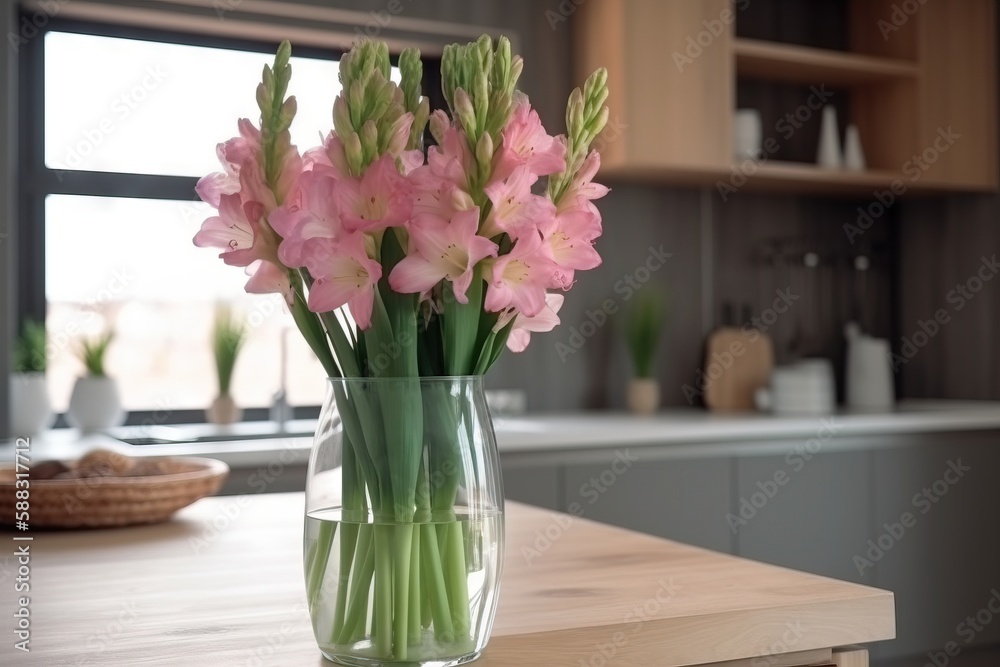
[222,585]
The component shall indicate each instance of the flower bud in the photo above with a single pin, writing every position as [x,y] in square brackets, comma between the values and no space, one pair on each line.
[484,156]
[439,123]
[464,111]
[342,117]
[353,152]
[461,200]
[369,141]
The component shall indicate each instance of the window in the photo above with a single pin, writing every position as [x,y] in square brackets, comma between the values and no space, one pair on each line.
[131,120]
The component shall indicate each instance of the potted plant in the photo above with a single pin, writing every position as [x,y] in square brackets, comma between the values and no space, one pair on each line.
[95,404]
[443,260]
[30,408]
[228,337]
[643,337]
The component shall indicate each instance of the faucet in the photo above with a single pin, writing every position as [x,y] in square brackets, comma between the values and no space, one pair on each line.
[281,411]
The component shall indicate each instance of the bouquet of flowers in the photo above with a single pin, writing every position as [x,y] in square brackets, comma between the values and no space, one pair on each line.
[441,257]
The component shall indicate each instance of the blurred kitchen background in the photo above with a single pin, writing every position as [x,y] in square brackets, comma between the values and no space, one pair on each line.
[777,167]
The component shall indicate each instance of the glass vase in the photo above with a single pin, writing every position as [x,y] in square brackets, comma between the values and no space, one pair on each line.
[404,522]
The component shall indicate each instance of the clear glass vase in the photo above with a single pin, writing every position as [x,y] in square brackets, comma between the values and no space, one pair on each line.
[404,522]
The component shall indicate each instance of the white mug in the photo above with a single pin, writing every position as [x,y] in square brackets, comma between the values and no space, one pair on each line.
[748,134]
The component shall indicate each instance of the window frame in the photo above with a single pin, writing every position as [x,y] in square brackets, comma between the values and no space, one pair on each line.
[37,181]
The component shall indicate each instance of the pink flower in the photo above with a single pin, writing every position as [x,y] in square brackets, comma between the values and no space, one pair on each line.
[582,188]
[247,241]
[379,199]
[329,158]
[315,217]
[435,198]
[568,240]
[243,161]
[344,274]
[452,160]
[518,279]
[233,154]
[411,160]
[268,278]
[545,320]
[525,143]
[443,251]
[515,210]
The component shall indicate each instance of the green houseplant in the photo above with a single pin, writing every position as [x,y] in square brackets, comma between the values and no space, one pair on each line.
[30,408]
[95,403]
[228,338]
[642,335]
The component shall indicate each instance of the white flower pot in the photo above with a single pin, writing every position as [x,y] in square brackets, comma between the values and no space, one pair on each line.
[94,404]
[30,409]
[224,410]
[643,396]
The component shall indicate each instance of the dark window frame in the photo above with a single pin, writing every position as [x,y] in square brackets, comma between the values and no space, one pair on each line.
[37,181]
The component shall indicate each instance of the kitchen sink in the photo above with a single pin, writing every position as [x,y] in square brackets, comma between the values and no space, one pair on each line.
[198,433]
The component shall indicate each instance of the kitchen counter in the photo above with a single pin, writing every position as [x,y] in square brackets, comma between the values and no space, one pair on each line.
[222,585]
[677,433]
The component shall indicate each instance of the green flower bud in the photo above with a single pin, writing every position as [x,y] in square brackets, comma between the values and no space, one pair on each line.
[353,152]
[484,156]
[464,112]
[342,117]
[369,142]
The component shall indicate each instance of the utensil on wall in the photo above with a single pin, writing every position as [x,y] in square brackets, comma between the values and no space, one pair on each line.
[829,155]
[869,384]
[854,154]
[748,134]
[737,363]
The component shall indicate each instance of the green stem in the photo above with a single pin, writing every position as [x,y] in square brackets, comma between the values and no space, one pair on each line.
[382,630]
[415,601]
[457,578]
[361,581]
[320,555]
[310,327]
[348,544]
[402,544]
[444,629]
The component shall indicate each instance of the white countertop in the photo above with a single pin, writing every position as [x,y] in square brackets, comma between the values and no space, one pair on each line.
[685,432]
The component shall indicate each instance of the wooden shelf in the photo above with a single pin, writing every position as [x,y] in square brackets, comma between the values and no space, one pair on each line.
[790,177]
[789,63]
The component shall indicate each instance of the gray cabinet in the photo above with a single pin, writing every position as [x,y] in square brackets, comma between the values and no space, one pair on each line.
[810,514]
[945,566]
[534,484]
[683,500]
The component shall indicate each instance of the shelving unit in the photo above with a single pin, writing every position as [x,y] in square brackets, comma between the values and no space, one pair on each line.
[936,70]
[804,65]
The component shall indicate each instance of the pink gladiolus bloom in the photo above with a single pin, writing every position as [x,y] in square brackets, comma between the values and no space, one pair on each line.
[247,241]
[410,160]
[243,162]
[329,158]
[545,320]
[444,251]
[515,210]
[525,143]
[344,274]
[582,187]
[435,199]
[452,160]
[316,217]
[379,199]
[519,278]
[233,154]
[568,240]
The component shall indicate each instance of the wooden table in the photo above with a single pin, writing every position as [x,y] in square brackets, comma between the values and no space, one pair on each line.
[222,585]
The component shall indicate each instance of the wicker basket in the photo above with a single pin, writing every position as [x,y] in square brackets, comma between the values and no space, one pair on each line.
[99,502]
